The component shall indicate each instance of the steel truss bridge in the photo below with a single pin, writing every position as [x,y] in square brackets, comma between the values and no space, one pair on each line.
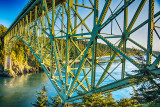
[54,29]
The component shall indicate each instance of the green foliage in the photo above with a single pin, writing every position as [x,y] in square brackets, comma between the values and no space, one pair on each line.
[101,48]
[42,98]
[94,100]
[19,54]
[9,72]
[148,88]
[22,58]
[125,102]
[56,101]
[99,99]
[1,68]
[2,31]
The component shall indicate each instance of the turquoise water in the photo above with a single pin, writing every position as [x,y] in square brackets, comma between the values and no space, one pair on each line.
[20,91]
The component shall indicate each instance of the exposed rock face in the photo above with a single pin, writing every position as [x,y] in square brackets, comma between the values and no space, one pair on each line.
[1,68]
[8,73]
[16,71]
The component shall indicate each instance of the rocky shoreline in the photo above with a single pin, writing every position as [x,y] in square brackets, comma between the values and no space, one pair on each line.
[6,75]
[12,73]
[17,71]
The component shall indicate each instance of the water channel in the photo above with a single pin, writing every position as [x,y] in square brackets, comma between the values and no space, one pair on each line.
[21,90]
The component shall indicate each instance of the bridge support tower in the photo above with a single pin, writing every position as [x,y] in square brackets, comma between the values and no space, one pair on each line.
[7,62]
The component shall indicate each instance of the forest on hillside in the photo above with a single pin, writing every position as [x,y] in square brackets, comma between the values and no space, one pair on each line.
[23,59]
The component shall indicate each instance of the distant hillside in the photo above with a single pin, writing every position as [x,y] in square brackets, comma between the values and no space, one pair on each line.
[157,52]
[102,48]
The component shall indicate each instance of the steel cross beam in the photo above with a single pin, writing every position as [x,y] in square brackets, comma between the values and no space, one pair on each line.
[69,38]
[123,83]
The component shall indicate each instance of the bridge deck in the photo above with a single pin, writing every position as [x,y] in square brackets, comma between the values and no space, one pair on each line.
[30,6]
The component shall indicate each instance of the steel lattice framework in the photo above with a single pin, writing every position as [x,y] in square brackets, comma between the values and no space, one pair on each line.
[54,29]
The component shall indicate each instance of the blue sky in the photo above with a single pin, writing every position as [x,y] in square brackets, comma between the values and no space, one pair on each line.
[9,10]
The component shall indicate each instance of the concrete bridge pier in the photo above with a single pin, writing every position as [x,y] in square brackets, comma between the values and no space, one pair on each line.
[7,62]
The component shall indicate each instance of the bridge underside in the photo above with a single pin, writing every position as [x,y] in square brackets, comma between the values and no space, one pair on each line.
[82,45]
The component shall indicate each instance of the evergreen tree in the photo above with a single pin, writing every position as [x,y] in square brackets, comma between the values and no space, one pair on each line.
[56,101]
[42,99]
[149,87]
[3,29]
[125,102]
[99,99]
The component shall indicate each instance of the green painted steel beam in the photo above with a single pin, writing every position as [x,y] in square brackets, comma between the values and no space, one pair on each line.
[139,45]
[150,32]
[82,19]
[115,14]
[53,44]
[143,23]
[26,9]
[128,29]
[67,67]
[94,48]
[157,33]
[80,67]
[124,35]
[140,7]
[104,11]
[156,63]
[52,81]
[120,52]
[47,26]
[123,83]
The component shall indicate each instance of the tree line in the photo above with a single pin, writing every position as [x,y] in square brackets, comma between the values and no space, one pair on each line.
[23,59]
[146,93]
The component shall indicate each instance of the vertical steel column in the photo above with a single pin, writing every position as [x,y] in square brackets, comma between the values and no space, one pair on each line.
[26,33]
[75,15]
[150,32]
[42,38]
[42,26]
[35,29]
[94,48]
[20,28]
[39,38]
[16,30]
[124,35]
[53,46]
[43,20]
[23,27]
[75,24]
[68,44]
[30,22]
[62,28]
[53,33]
